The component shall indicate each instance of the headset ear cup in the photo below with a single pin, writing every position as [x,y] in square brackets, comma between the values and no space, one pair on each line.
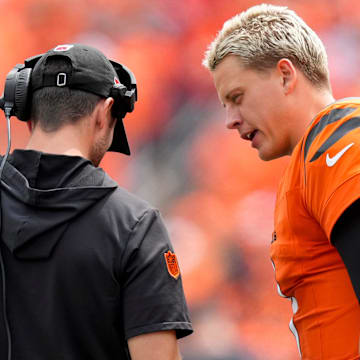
[22,90]
[119,108]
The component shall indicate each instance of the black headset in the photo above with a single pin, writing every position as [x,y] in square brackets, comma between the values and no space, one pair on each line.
[17,93]
[125,92]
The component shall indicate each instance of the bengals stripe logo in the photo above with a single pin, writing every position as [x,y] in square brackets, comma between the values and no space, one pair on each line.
[333,116]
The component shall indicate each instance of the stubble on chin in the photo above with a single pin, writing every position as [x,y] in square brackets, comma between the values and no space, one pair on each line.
[98,151]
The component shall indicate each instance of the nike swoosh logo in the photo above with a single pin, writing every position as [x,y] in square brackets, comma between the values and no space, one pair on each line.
[331,161]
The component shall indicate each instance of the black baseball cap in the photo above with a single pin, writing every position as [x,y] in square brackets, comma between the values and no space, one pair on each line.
[90,71]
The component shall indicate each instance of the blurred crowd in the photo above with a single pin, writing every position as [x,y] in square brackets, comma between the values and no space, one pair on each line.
[216,196]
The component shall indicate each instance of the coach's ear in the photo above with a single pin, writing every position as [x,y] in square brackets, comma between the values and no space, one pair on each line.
[104,117]
[288,75]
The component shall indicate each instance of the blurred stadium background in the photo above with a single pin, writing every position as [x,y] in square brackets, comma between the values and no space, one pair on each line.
[216,196]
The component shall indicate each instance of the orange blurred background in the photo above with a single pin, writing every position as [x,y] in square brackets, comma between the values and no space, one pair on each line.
[216,196]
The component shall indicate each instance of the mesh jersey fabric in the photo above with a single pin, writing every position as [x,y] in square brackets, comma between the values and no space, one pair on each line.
[320,182]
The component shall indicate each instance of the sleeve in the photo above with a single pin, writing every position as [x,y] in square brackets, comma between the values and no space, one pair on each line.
[332,166]
[153,296]
[345,237]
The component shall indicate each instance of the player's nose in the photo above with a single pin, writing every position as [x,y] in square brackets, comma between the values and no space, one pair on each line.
[233,119]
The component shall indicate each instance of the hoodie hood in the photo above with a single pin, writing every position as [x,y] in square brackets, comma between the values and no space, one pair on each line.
[40,196]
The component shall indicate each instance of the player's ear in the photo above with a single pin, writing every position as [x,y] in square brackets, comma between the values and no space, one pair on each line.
[288,75]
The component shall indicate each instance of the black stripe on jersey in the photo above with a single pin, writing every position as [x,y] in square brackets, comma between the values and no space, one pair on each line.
[342,130]
[331,117]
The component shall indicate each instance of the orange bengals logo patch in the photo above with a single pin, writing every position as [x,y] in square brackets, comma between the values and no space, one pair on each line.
[172,264]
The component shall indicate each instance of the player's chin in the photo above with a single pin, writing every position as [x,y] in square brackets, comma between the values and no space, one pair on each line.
[268,155]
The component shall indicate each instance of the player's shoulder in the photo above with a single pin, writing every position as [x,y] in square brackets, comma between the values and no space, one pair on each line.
[332,128]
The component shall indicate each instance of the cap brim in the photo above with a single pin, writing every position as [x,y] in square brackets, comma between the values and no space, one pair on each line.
[120,143]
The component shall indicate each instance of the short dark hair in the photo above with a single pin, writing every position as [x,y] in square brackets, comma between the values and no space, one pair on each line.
[52,107]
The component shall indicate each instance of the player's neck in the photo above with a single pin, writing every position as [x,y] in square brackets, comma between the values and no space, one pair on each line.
[314,101]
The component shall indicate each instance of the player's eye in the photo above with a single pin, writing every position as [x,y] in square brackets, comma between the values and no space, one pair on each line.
[236,98]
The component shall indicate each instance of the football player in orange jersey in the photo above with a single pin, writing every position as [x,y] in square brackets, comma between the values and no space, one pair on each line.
[271,74]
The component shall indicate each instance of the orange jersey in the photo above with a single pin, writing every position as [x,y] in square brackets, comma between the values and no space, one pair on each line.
[321,181]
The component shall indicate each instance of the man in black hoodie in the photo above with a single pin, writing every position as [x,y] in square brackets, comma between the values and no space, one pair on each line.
[88,270]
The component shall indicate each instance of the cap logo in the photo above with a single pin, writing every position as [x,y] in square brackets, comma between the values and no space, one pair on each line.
[172,264]
[63,47]
[116,81]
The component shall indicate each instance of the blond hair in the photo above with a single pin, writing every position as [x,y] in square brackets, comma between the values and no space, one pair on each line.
[264,34]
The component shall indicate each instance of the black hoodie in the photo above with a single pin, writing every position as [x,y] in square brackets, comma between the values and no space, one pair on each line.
[84,263]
